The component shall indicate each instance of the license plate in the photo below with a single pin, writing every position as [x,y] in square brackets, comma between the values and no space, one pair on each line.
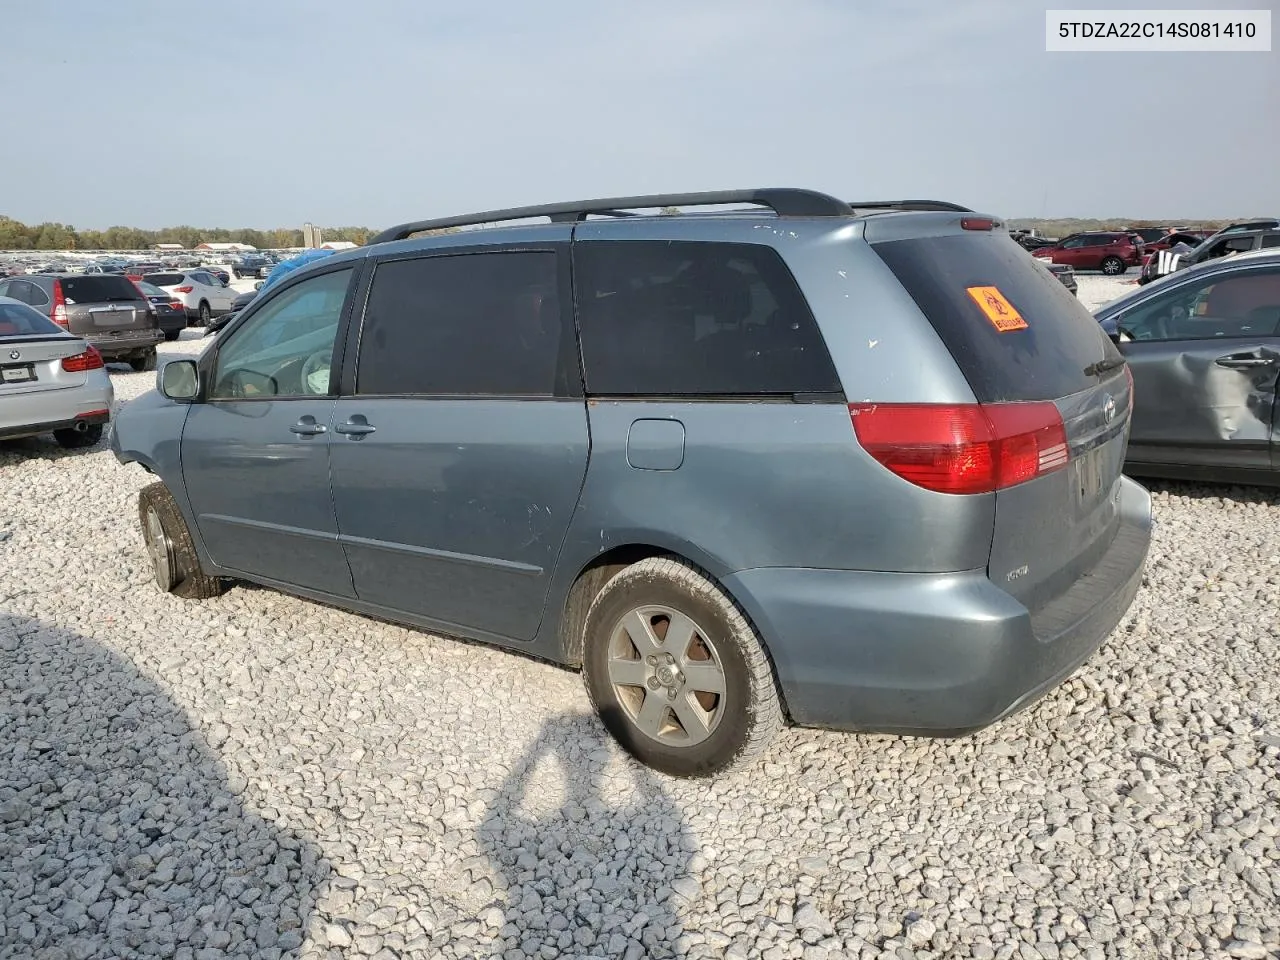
[1090,475]
[22,374]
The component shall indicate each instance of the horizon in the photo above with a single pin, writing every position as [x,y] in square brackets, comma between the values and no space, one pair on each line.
[421,111]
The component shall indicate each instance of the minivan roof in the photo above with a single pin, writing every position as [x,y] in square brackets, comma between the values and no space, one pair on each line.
[781,201]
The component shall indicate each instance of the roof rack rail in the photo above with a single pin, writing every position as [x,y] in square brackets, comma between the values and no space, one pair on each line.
[909,205]
[784,201]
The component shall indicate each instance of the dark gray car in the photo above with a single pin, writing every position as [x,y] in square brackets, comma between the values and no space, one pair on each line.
[1204,348]
[107,310]
[852,466]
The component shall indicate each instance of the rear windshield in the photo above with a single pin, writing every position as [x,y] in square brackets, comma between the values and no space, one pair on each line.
[1014,330]
[165,279]
[150,289]
[19,320]
[98,289]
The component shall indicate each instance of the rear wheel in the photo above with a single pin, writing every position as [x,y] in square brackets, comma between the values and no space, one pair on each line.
[71,439]
[171,335]
[174,562]
[206,314]
[144,361]
[1113,266]
[676,671]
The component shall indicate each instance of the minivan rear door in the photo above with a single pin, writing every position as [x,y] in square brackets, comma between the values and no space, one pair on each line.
[1050,530]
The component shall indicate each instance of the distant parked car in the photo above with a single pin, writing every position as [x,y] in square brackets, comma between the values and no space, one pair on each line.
[1149,235]
[1066,274]
[50,381]
[1236,238]
[105,309]
[250,265]
[222,273]
[1204,348]
[202,294]
[1111,252]
[171,312]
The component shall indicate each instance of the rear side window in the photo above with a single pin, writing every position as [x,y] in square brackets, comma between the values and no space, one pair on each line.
[1046,359]
[487,324]
[165,279]
[693,319]
[103,288]
[19,320]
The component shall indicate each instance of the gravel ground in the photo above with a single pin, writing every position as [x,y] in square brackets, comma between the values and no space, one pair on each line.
[259,776]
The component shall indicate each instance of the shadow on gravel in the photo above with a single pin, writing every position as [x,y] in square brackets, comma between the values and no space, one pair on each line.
[588,852]
[119,833]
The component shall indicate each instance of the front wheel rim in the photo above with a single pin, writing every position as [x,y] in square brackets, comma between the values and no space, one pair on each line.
[667,675]
[160,549]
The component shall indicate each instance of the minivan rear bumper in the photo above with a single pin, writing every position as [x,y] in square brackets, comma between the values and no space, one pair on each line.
[934,654]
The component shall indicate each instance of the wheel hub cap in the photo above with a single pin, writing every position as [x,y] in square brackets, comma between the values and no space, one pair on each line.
[667,675]
[159,548]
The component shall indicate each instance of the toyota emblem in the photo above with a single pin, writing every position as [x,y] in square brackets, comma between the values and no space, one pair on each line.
[1109,409]
[14,354]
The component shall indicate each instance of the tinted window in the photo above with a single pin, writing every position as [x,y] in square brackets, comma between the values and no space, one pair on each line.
[1043,360]
[1244,304]
[17,320]
[18,290]
[98,289]
[165,279]
[476,323]
[1271,240]
[695,319]
[286,348]
[150,289]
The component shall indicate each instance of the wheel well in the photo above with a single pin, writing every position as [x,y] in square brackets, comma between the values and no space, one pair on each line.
[589,582]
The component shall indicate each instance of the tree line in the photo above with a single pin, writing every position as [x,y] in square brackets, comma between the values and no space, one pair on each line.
[15,235]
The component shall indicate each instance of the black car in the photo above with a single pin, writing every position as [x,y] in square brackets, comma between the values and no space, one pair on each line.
[1203,346]
[170,312]
[1067,274]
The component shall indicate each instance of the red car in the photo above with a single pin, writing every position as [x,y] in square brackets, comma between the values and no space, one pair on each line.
[1111,252]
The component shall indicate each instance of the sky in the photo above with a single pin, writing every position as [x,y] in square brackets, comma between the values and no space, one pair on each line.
[275,112]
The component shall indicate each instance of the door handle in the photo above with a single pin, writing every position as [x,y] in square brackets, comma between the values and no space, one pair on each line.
[355,427]
[1242,362]
[307,427]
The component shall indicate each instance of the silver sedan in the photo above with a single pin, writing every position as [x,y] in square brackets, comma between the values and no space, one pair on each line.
[50,381]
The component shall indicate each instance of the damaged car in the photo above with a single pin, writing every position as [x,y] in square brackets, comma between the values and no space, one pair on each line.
[1204,348]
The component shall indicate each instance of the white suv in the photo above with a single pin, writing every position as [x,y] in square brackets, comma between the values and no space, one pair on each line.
[203,294]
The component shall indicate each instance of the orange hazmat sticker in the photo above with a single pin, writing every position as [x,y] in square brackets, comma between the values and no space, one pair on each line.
[998,310]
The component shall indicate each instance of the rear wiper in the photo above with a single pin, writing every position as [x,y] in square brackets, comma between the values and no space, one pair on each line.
[1103,366]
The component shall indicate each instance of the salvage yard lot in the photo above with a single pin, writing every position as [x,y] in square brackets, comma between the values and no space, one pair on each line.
[262,776]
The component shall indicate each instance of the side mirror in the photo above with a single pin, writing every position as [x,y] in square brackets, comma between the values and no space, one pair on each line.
[178,380]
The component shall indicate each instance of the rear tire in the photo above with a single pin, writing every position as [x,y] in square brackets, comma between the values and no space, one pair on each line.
[70,439]
[145,362]
[174,562]
[691,703]
[1113,266]
[172,335]
[206,314]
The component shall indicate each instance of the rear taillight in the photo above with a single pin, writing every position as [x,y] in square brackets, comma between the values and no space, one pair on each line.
[183,289]
[91,359]
[963,448]
[59,315]
[176,305]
